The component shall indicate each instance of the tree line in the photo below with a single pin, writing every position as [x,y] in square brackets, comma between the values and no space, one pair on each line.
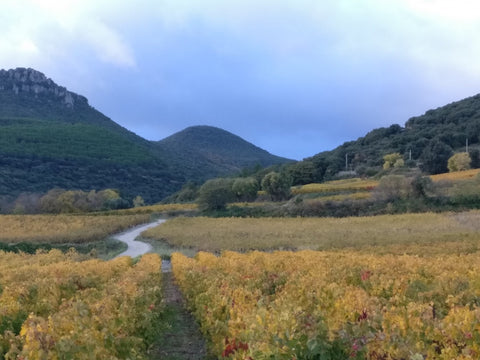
[61,201]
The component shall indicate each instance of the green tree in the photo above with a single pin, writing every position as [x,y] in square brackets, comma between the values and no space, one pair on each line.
[459,162]
[302,172]
[214,194]
[277,185]
[435,157]
[475,156]
[245,189]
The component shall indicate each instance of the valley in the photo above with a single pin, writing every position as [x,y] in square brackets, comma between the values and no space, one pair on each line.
[367,251]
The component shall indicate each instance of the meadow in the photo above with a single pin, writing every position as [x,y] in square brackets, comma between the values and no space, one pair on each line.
[61,229]
[406,233]
[56,305]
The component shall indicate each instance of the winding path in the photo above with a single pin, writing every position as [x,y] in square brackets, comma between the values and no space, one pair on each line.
[183,339]
[136,248]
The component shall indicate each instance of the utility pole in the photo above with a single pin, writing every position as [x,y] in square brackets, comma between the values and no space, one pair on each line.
[410,154]
[466,145]
[346,162]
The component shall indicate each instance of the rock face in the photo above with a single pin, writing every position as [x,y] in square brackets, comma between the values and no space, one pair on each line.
[22,81]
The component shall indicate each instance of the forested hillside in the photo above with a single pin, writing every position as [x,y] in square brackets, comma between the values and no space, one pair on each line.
[426,141]
[51,137]
[203,151]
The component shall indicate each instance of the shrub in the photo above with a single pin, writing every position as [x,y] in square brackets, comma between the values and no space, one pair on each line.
[393,187]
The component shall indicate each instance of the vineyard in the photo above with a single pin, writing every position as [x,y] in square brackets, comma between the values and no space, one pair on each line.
[347,185]
[334,305]
[386,233]
[59,306]
[457,175]
[57,229]
[158,208]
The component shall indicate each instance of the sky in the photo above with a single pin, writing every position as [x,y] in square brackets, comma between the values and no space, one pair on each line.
[295,77]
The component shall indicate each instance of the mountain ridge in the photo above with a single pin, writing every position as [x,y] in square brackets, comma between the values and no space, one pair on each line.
[51,137]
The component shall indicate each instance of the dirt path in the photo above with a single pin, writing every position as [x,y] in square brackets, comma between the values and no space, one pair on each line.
[182,340]
[136,248]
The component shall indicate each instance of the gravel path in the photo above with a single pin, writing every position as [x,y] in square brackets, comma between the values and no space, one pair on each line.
[136,248]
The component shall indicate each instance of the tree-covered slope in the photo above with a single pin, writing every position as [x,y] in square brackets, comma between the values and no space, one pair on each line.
[427,140]
[205,152]
[51,137]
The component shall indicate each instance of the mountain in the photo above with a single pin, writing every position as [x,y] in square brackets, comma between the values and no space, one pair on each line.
[51,137]
[427,140]
[205,152]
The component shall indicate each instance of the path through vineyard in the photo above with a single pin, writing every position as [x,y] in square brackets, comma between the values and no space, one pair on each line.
[136,248]
[182,339]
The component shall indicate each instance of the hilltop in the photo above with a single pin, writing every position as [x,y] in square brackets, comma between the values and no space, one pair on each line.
[51,137]
[207,151]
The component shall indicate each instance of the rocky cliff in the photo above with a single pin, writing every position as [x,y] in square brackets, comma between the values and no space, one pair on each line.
[29,82]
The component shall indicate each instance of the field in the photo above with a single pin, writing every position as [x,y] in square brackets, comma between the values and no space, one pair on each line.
[457,175]
[56,306]
[159,208]
[408,233]
[334,305]
[59,229]
[347,185]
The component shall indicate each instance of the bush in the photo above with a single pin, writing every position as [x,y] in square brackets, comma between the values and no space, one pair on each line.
[393,187]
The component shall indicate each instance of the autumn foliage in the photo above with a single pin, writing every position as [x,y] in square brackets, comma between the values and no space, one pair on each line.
[55,306]
[334,305]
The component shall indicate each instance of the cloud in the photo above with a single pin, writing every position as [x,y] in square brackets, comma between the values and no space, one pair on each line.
[37,30]
[265,69]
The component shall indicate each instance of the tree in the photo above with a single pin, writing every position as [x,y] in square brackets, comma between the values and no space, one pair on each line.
[138,201]
[276,185]
[245,189]
[393,160]
[302,172]
[475,156]
[459,162]
[214,194]
[435,157]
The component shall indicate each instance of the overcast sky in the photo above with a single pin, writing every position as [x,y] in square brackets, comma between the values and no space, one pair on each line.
[294,77]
